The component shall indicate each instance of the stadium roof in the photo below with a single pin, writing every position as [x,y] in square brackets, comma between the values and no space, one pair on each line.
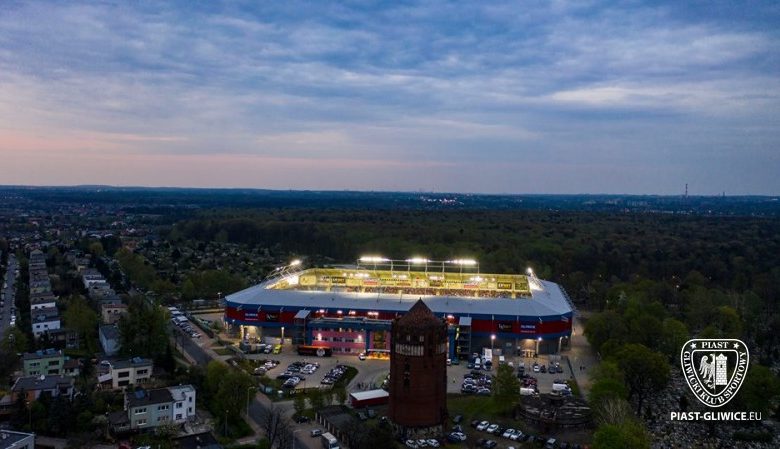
[547,299]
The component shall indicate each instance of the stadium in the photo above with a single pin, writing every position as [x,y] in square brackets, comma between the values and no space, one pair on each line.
[349,308]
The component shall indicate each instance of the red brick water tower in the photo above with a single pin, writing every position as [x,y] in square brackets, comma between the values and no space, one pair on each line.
[418,373]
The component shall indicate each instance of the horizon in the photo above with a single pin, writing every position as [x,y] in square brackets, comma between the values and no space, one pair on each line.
[430,192]
[556,98]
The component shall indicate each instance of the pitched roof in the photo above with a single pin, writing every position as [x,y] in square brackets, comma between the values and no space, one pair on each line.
[419,316]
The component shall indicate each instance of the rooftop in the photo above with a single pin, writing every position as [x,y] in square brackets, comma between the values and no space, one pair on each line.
[31,383]
[9,438]
[546,299]
[135,362]
[41,354]
[148,397]
[419,316]
[110,332]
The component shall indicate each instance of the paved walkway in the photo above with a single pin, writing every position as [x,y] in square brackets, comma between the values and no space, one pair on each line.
[580,354]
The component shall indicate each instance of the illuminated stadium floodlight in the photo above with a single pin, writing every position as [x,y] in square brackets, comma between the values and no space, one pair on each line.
[530,271]
[373,259]
[464,262]
[417,260]
[295,263]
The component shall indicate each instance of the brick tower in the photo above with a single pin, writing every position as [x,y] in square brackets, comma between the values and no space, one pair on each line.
[418,373]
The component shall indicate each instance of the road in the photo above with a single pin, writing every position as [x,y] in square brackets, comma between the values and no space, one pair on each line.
[8,295]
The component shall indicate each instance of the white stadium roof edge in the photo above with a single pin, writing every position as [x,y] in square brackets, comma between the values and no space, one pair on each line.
[548,301]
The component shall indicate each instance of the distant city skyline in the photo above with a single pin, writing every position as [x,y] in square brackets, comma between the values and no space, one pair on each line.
[504,97]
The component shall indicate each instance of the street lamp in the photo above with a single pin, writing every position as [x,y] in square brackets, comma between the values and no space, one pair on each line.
[492,341]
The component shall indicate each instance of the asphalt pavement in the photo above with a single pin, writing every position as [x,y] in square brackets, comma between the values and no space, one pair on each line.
[8,296]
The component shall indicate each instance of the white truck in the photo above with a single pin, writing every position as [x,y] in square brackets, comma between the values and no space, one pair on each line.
[329,441]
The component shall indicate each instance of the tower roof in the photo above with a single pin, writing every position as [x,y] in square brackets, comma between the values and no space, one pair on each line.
[419,316]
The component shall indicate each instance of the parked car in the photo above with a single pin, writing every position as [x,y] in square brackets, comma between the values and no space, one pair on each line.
[492,428]
[483,425]
[316,432]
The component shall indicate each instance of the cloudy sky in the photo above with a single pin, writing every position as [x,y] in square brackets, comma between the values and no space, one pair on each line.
[515,97]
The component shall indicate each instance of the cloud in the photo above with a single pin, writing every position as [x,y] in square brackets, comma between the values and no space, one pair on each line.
[453,85]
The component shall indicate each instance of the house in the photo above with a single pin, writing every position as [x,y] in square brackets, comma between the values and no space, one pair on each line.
[147,409]
[109,339]
[44,320]
[72,367]
[91,277]
[124,373]
[64,338]
[16,440]
[32,387]
[46,361]
[42,300]
[110,313]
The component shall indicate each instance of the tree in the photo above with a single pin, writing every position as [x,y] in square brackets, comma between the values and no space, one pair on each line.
[315,399]
[80,317]
[760,390]
[299,404]
[341,395]
[607,384]
[215,372]
[619,436]
[143,330]
[233,394]
[274,424]
[507,388]
[674,334]
[96,249]
[645,372]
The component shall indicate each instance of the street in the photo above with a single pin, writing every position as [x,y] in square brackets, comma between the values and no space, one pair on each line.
[8,295]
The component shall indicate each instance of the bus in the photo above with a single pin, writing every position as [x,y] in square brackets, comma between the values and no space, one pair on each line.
[319,351]
[329,441]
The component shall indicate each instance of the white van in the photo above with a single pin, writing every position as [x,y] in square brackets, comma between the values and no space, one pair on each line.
[527,391]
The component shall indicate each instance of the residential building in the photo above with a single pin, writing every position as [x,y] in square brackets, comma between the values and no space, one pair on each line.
[147,409]
[110,313]
[16,440]
[46,361]
[44,320]
[42,300]
[33,386]
[124,373]
[109,339]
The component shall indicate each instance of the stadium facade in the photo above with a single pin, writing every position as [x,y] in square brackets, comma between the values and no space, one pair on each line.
[350,309]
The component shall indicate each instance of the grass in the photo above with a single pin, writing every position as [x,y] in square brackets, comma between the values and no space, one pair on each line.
[223,351]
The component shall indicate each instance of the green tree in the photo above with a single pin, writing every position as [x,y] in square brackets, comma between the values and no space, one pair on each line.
[506,389]
[215,372]
[96,249]
[143,330]
[645,372]
[674,334]
[341,395]
[629,434]
[233,394]
[607,383]
[761,389]
[316,400]
[80,317]
[299,403]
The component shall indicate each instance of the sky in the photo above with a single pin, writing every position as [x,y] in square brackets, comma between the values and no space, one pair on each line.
[446,96]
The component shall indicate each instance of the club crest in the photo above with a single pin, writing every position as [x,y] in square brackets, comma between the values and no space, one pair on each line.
[714,368]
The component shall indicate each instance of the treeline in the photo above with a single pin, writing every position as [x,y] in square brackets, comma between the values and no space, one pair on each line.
[691,265]
[207,284]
